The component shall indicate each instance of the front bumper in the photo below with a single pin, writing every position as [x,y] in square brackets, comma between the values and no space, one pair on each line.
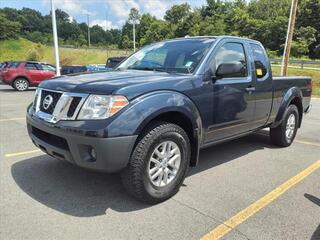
[111,154]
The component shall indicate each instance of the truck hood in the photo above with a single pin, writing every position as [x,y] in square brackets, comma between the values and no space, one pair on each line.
[130,83]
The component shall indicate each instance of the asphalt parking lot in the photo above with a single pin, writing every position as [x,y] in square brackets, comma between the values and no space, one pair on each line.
[233,192]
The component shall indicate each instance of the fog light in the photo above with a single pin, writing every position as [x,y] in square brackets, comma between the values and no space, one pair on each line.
[93,154]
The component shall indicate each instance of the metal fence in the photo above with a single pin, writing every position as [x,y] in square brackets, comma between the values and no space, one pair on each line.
[302,64]
[109,51]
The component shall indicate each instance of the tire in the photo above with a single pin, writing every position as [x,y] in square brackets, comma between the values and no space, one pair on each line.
[21,84]
[280,135]
[137,177]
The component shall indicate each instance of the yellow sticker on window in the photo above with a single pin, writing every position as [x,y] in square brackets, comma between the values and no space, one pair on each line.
[259,72]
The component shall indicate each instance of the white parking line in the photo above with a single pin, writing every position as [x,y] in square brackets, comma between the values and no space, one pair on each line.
[12,119]
[8,155]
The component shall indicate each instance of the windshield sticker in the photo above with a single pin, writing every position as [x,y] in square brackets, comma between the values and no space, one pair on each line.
[259,72]
[188,64]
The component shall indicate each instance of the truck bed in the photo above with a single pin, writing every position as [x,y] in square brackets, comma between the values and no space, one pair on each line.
[281,84]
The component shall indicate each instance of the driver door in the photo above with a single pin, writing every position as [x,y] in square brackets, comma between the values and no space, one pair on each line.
[233,101]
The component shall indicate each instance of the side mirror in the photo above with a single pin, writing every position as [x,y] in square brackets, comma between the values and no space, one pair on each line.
[227,70]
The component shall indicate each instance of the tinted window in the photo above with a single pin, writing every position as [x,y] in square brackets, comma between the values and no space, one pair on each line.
[12,64]
[111,63]
[79,69]
[31,66]
[230,53]
[48,67]
[260,60]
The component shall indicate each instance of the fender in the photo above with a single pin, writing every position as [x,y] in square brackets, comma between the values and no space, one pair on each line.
[292,93]
[147,107]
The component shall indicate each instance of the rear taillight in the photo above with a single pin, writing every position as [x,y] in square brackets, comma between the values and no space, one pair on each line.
[311,87]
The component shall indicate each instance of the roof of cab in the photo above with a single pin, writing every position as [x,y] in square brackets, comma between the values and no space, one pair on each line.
[216,37]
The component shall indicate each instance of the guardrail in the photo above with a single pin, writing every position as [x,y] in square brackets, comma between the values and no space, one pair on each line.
[301,63]
[123,51]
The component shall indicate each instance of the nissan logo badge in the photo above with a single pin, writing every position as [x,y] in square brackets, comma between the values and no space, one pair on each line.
[47,102]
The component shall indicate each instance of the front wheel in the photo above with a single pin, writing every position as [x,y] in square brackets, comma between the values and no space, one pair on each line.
[284,134]
[21,84]
[158,164]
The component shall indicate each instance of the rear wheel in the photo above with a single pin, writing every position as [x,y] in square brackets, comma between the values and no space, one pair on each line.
[21,84]
[284,134]
[158,164]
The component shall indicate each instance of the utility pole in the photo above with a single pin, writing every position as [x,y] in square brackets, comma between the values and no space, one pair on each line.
[286,53]
[88,22]
[106,20]
[134,35]
[55,38]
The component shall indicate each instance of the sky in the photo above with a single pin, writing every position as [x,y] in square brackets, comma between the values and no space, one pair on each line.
[106,13]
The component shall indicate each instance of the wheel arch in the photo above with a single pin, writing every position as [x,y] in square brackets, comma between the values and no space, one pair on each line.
[20,76]
[292,97]
[168,106]
[186,124]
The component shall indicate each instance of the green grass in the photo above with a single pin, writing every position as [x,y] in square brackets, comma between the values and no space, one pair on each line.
[314,74]
[20,50]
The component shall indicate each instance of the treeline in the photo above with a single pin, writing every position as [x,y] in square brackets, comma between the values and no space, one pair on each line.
[263,20]
[34,26]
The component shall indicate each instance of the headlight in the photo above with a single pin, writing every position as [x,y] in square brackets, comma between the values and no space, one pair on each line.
[101,106]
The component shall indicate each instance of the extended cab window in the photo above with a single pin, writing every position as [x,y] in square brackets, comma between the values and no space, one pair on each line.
[230,53]
[260,60]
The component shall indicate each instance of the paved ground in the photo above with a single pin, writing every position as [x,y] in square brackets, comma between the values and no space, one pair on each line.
[43,198]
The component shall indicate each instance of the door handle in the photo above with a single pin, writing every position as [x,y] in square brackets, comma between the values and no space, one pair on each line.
[250,89]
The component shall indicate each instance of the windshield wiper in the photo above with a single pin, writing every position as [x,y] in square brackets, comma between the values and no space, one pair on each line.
[142,68]
[160,69]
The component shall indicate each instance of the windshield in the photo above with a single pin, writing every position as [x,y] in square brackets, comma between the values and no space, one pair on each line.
[182,56]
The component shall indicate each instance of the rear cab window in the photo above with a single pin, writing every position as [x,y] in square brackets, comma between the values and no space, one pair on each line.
[260,60]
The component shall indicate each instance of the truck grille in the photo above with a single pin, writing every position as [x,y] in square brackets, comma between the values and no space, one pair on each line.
[53,106]
[73,106]
[55,96]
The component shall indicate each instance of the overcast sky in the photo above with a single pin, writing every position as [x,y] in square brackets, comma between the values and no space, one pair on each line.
[106,13]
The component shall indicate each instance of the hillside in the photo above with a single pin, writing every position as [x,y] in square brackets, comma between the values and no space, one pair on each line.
[23,49]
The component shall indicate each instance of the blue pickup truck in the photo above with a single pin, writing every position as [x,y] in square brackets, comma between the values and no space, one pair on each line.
[150,117]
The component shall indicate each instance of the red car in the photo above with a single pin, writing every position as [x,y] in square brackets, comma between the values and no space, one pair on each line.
[24,74]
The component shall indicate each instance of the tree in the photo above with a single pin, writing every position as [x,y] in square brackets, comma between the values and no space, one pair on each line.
[8,29]
[305,37]
[158,31]
[308,15]
[177,13]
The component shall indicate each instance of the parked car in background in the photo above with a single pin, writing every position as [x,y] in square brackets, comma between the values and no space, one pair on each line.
[65,70]
[113,62]
[2,65]
[74,69]
[24,74]
[97,68]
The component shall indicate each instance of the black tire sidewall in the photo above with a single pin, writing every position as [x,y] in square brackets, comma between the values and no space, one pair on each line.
[292,109]
[172,187]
